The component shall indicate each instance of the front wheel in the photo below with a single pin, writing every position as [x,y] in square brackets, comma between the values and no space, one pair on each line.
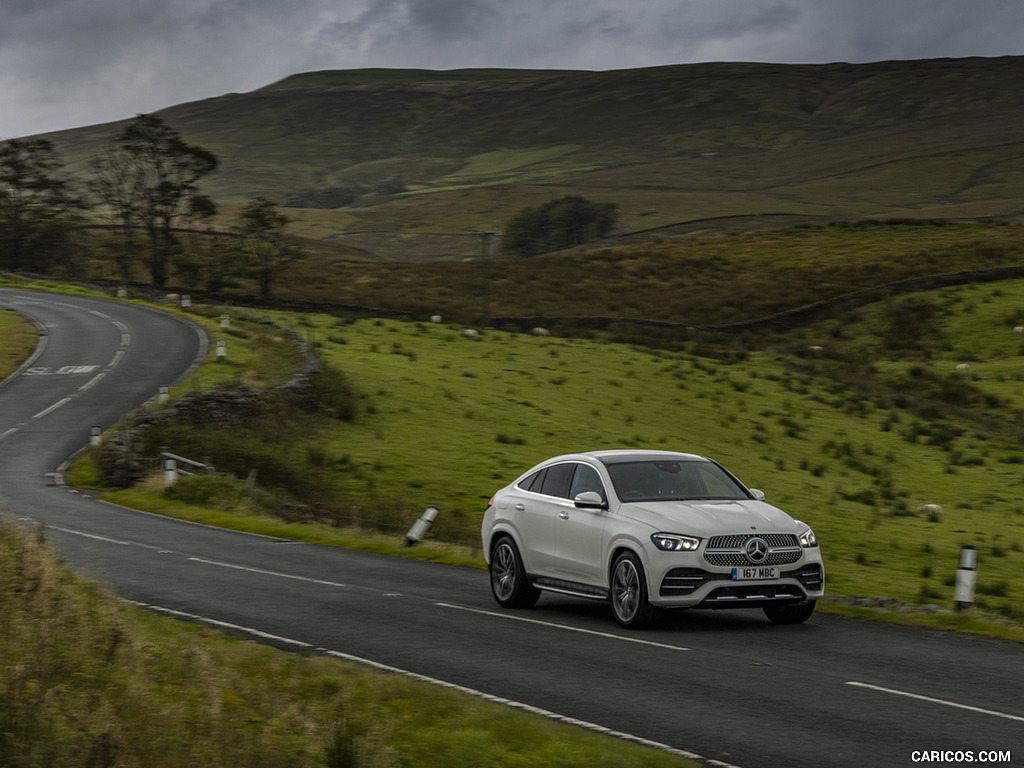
[789,614]
[629,593]
[509,584]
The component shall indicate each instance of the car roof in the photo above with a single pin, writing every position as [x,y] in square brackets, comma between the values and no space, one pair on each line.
[622,455]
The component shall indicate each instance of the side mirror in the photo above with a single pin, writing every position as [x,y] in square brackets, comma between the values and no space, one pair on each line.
[590,500]
[759,495]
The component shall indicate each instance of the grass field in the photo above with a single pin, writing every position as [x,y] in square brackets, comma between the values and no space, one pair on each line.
[19,339]
[447,420]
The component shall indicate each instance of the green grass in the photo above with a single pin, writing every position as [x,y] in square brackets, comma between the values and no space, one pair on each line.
[448,420]
[19,339]
[90,680]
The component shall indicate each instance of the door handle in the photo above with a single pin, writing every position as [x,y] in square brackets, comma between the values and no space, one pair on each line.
[564,515]
[520,507]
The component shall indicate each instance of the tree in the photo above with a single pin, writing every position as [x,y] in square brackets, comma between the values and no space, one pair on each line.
[261,225]
[146,178]
[36,199]
[557,224]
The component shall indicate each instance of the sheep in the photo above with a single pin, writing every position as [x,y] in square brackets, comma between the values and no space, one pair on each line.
[932,511]
[470,333]
[963,368]
[816,349]
[541,332]
[1019,330]
[435,318]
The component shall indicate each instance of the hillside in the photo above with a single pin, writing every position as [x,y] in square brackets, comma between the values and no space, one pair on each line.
[680,149]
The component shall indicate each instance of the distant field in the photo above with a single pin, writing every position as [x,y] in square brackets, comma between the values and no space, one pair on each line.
[691,147]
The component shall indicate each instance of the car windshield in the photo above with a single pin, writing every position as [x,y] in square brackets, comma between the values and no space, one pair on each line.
[673,481]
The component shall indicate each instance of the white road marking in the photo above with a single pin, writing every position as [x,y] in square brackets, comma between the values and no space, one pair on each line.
[969,708]
[91,381]
[445,684]
[52,408]
[99,314]
[266,573]
[116,358]
[10,431]
[564,626]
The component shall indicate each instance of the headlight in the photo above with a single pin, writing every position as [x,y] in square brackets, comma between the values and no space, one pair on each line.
[673,542]
[808,539]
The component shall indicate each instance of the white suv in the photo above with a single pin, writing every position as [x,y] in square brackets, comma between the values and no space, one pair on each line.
[648,530]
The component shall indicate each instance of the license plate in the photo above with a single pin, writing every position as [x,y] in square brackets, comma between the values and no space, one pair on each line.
[754,573]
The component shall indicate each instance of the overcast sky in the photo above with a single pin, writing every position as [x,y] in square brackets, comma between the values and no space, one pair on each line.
[67,63]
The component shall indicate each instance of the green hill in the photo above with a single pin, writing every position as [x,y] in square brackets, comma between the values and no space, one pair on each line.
[679,148]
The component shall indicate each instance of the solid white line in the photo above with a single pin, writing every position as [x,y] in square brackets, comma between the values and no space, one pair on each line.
[564,626]
[223,624]
[10,431]
[445,684]
[92,381]
[265,573]
[52,408]
[969,708]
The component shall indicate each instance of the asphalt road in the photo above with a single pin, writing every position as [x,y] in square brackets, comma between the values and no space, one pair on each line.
[727,687]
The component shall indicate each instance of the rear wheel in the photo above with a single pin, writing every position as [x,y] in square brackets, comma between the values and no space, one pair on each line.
[629,593]
[509,584]
[789,614]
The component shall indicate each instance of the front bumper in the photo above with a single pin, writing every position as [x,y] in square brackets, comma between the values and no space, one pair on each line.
[696,584]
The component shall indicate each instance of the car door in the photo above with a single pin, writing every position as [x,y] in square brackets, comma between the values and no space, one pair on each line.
[535,509]
[579,533]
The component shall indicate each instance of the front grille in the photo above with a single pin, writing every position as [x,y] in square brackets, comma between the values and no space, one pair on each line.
[737,540]
[728,551]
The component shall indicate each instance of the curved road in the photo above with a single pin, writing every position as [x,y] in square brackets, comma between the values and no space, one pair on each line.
[726,687]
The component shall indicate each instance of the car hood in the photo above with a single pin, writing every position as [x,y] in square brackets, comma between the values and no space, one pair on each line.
[709,518]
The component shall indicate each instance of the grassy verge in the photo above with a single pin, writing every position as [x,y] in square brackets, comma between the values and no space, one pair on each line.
[20,338]
[89,680]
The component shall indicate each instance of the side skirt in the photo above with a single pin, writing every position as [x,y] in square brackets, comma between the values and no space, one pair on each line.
[570,588]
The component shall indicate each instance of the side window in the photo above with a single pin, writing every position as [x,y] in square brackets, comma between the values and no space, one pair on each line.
[586,478]
[533,482]
[556,481]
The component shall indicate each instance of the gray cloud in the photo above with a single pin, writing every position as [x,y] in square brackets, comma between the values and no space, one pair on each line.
[65,63]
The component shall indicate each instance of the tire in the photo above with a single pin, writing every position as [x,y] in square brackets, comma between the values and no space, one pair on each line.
[628,593]
[789,614]
[509,584]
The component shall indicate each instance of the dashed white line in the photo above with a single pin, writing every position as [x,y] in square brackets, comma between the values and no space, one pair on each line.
[563,626]
[52,408]
[116,358]
[92,381]
[264,572]
[944,702]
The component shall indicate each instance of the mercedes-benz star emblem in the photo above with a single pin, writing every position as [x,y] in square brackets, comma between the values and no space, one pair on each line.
[757,550]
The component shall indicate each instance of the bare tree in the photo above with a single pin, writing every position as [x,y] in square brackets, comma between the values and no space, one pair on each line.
[146,178]
[262,225]
[35,196]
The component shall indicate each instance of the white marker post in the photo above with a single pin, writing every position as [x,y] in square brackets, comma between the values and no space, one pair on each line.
[170,473]
[164,395]
[225,321]
[94,436]
[186,301]
[222,351]
[420,527]
[966,576]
